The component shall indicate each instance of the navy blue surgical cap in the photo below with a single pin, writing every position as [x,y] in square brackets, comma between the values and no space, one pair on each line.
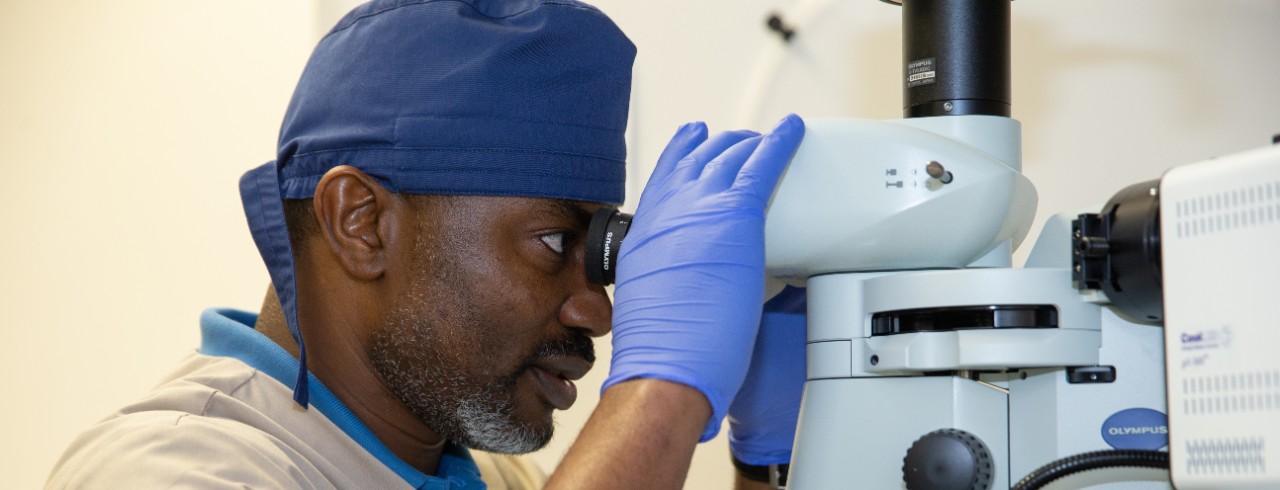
[478,97]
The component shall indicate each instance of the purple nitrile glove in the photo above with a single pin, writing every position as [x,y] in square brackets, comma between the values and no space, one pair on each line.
[691,269]
[762,418]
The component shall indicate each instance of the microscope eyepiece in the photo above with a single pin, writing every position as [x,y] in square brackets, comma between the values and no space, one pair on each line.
[604,236]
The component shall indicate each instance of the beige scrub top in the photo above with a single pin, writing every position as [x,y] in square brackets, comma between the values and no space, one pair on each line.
[218,422]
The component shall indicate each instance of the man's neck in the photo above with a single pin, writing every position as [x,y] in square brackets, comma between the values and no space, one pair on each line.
[271,323]
[362,392]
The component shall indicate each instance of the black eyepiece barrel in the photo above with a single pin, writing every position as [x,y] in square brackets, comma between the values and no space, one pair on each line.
[604,236]
[956,57]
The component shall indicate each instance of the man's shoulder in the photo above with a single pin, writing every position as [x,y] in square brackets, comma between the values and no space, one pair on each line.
[214,421]
[170,448]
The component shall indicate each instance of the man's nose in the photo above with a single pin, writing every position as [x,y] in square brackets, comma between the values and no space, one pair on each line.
[588,306]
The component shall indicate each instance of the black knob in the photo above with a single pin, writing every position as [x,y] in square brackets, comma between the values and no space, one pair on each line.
[775,24]
[948,459]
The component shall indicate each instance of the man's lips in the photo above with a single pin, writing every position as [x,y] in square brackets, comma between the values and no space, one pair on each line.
[568,367]
[555,377]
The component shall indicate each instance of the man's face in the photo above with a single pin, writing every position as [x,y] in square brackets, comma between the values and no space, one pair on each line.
[494,320]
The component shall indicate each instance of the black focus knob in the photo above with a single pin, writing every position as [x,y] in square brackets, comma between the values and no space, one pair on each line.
[948,459]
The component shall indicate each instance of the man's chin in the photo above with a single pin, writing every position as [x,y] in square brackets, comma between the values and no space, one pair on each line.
[505,434]
[509,443]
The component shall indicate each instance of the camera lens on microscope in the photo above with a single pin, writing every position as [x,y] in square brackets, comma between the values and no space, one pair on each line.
[604,236]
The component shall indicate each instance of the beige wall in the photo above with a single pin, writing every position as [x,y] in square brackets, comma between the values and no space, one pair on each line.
[124,126]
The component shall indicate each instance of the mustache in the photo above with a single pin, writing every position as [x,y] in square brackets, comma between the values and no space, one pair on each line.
[575,344]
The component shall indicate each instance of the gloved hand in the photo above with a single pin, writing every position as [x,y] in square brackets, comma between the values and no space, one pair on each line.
[691,269]
[762,418]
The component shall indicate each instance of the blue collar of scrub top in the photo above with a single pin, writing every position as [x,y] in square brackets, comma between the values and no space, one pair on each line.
[230,333]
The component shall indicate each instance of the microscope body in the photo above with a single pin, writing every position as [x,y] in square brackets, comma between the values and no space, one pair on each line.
[933,363]
[864,185]
[918,323]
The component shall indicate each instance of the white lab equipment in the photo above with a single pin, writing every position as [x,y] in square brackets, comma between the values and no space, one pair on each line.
[933,364]
[1220,238]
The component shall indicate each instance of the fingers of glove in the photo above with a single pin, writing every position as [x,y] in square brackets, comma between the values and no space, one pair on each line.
[685,141]
[720,173]
[762,171]
[690,167]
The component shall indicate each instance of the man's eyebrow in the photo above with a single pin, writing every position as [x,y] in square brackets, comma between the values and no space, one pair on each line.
[569,210]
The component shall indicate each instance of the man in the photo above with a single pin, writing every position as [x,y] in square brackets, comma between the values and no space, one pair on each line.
[423,226]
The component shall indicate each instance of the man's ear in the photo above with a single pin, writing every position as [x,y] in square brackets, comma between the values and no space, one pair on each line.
[356,217]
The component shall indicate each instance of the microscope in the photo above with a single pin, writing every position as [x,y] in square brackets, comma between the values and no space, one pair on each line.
[932,362]
[1134,339]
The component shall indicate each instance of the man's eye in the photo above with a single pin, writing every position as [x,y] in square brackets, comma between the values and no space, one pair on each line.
[554,241]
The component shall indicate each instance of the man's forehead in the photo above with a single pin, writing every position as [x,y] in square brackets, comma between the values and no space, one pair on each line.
[579,212]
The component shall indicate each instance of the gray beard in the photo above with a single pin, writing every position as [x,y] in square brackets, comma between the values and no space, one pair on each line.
[489,427]
[409,354]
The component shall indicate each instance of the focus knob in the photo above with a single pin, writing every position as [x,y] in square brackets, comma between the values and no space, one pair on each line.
[948,459]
